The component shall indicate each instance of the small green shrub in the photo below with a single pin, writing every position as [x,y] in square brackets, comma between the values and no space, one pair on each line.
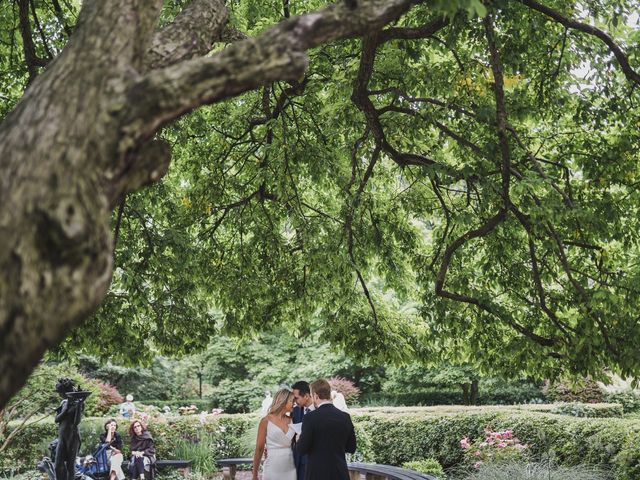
[587,410]
[430,466]
[629,400]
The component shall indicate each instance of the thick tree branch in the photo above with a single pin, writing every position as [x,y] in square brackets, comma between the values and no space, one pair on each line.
[60,16]
[278,54]
[542,298]
[501,111]
[30,56]
[191,34]
[425,31]
[360,97]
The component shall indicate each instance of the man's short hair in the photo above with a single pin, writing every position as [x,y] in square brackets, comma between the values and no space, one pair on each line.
[322,389]
[302,387]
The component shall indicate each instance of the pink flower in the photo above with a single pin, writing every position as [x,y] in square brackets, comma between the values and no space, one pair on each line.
[477,465]
[477,453]
[501,445]
[464,443]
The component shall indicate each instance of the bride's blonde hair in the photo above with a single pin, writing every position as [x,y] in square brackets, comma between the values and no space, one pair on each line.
[280,400]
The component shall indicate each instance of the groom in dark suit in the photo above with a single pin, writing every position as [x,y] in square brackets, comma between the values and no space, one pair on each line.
[327,434]
[304,405]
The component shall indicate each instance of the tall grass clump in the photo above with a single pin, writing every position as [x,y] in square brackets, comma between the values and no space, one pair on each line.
[536,471]
[202,451]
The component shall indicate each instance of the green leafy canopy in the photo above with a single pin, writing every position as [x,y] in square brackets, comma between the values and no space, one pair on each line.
[466,194]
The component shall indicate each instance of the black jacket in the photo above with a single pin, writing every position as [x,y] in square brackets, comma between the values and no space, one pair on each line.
[327,434]
[116,441]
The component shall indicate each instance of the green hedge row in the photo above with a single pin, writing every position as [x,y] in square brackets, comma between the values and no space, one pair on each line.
[443,396]
[203,404]
[395,436]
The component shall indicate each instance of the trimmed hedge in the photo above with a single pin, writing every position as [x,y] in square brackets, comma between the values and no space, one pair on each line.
[498,395]
[398,437]
[203,404]
[395,436]
[590,410]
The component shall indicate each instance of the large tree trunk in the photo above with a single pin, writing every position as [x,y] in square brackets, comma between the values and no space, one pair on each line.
[82,136]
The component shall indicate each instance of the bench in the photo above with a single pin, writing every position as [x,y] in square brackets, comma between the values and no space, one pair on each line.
[357,470]
[46,466]
[184,466]
[229,466]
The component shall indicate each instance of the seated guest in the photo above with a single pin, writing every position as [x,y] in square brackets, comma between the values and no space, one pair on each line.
[143,452]
[114,449]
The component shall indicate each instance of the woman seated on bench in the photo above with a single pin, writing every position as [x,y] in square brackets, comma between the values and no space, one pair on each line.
[114,449]
[143,451]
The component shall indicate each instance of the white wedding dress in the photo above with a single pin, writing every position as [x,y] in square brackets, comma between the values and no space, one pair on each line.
[279,463]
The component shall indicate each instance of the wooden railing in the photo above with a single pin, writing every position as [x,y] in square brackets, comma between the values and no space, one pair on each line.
[357,470]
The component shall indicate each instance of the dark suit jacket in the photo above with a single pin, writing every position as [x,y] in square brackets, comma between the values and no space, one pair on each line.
[327,434]
[300,461]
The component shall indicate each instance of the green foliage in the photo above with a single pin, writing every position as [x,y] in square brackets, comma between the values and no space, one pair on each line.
[236,396]
[393,436]
[430,466]
[28,475]
[39,394]
[630,400]
[426,397]
[583,390]
[201,404]
[271,217]
[286,208]
[537,471]
[201,450]
[589,410]
[491,393]
[159,381]
[399,436]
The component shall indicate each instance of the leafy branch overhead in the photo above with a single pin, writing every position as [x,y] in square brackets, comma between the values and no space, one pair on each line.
[432,180]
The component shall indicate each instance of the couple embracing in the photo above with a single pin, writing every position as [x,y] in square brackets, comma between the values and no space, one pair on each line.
[305,442]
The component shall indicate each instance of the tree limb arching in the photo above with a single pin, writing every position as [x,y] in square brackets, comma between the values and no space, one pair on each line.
[621,56]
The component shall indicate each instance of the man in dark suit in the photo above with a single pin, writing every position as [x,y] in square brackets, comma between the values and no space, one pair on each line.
[327,434]
[304,405]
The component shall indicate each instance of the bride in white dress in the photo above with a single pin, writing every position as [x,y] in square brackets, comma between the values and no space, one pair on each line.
[275,434]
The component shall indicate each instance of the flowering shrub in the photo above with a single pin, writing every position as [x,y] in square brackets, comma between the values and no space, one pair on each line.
[346,387]
[497,447]
[108,396]
[188,410]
